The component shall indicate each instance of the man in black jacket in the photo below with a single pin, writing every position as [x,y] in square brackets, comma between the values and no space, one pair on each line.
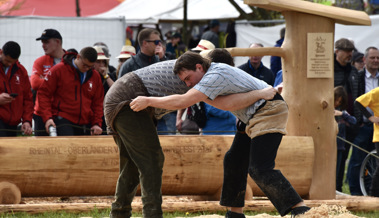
[347,76]
[255,67]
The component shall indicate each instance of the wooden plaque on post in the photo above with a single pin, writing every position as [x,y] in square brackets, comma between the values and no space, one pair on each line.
[320,55]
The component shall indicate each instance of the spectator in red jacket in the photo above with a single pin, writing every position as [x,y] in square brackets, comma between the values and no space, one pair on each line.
[52,46]
[16,100]
[71,97]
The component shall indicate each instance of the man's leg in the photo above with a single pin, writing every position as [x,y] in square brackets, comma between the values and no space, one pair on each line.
[7,130]
[127,183]
[351,133]
[236,162]
[139,136]
[272,182]
[64,127]
[39,126]
[363,140]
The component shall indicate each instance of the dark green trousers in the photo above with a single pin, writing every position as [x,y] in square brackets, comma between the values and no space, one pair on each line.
[141,162]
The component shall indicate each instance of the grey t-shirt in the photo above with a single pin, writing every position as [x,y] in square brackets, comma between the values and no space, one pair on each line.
[160,80]
[222,79]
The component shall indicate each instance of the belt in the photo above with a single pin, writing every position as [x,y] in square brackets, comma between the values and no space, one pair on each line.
[276,97]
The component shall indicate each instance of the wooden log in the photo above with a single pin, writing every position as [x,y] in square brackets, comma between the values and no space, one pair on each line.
[88,166]
[9,193]
[354,204]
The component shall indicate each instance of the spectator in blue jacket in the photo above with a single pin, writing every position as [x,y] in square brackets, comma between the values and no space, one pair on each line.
[275,61]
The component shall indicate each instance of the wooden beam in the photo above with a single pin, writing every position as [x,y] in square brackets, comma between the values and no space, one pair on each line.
[339,15]
[272,51]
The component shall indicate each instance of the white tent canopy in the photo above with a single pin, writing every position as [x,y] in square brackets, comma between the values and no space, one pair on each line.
[148,11]
[363,36]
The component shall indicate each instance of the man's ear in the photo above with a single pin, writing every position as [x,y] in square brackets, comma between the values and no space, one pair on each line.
[199,67]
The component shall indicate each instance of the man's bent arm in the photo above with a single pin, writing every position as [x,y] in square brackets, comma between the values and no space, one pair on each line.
[239,101]
[172,102]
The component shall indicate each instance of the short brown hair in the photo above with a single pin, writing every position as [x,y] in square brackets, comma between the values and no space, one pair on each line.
[188,61]
[89,53]
[344,45]
[221,55]
[145,35]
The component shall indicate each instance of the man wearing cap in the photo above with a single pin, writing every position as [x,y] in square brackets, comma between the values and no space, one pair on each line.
[212,34]
[105,48]
[255,67]
[129,36]
[71,97]
[52,45]
[367,80]
[176,47]
[345,75]
[357,60]
[102,66]
[127,51]
[151,52]
[16,100]
[107,78]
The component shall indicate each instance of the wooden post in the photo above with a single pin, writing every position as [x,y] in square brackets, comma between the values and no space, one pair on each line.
[310,99]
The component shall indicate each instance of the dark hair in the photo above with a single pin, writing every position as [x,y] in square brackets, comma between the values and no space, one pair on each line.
[145,35]
[188,61]
[72,50]
[339,91]
[89,53]
[220,55]
[12,49]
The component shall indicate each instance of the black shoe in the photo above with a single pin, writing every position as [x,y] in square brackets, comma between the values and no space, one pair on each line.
[299,210]
[231,214]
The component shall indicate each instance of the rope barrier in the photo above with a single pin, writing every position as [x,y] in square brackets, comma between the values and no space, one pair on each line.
[356,146]
[85,128]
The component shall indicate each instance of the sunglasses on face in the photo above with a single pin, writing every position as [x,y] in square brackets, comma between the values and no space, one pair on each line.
[156,42]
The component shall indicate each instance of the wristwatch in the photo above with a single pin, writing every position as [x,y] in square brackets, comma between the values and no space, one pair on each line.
[106,76]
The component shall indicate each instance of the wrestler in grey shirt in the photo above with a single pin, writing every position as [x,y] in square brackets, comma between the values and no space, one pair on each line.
[160,80]
[222,79]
